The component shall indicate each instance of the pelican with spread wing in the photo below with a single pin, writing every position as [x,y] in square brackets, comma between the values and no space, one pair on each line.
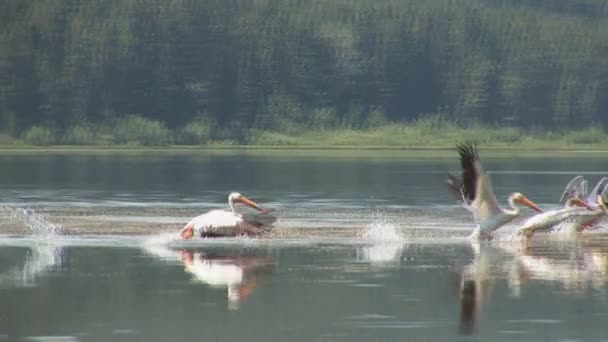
[576,188]
[224,223]
[577,213]
[474,191]
[576,195]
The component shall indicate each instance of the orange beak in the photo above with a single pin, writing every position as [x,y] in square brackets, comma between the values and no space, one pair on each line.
[187,232]
[246,201]
[579,202]
[525,201]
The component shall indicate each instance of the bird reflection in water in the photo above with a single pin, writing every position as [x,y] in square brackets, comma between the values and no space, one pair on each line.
[575,267]
[477,281]
[238,274]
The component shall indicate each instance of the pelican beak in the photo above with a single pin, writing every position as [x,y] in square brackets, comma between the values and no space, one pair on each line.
[187,232]
[525,201]
[579,202]
[246,201]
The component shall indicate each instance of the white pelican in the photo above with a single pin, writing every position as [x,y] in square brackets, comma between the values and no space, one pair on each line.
[575,194]
[474,190]
[598,190]
[577,212]
[220,223]
[576,188]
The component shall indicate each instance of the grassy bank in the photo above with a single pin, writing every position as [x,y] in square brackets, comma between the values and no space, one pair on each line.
[421,134]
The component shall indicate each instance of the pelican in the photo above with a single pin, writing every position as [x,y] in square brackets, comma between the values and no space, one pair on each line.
[475,191]
[576,188]
[577,212]
[220,223]
[598,190]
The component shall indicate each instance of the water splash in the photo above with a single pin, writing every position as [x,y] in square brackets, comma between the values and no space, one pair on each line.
[381,232]
[386,244]
[45,249]
[38,224]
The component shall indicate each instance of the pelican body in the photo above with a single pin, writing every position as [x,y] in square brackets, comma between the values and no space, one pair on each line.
[474,191]
[224,223]
[577,212]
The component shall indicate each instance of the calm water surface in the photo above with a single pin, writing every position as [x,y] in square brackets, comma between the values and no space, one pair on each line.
[386,284]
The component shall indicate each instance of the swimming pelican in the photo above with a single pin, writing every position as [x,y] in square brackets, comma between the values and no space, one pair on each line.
[474,190]
[575,194]
[576,188]
[220,223]
[599,190]
[577,212]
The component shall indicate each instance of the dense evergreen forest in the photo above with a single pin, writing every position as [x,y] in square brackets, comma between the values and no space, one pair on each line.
[216,69]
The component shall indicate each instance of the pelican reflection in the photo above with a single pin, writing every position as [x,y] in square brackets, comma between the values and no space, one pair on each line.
[574,267]
[240,275]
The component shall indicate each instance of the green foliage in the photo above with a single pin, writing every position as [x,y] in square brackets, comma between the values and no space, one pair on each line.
[39,136]
[197,132]
[591,135]
[137,130]
[377,118]
[289,66]
[80,134]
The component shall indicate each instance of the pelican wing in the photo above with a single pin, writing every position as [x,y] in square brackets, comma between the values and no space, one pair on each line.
[257,223]
[573,189]
[599,189]
[476,186]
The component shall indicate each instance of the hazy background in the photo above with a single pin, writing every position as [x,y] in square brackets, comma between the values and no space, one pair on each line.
[192,71]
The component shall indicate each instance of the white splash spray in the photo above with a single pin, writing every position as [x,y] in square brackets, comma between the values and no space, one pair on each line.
[381,232]
[383,244]
[45,250]
[38,224]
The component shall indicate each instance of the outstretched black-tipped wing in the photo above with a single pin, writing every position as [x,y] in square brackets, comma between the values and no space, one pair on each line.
[474,187]
[572,190]
[470,173]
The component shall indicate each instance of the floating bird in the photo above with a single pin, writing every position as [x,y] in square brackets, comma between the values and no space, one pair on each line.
[576,188]
[224,223]
[577,212]
[575,194]
[475,192]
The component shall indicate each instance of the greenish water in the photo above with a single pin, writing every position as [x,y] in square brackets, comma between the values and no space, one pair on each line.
[410,274]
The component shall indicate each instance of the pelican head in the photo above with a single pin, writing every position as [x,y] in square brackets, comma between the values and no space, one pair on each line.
[519,198]
[236,197]
[577,202]
[187,232]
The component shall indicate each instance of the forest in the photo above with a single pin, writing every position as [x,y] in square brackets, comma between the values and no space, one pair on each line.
[156,72]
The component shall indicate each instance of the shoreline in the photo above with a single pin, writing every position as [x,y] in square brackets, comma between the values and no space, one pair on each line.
[211,148]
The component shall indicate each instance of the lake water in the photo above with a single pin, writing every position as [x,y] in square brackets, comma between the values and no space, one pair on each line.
[369,247]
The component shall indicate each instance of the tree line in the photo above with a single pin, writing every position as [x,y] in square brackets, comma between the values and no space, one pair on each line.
[227,66]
